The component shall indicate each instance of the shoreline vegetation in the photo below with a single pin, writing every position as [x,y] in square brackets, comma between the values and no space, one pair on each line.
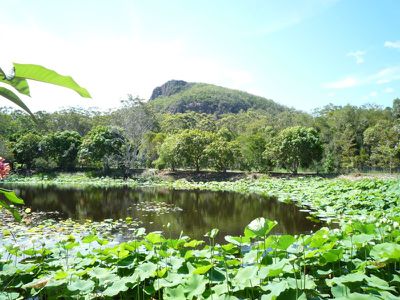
[356,259]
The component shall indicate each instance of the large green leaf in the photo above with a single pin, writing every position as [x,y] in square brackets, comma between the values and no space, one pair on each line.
[11,196]
[39,73]
[13,211]
[117,287]
[386,251]
[259,227]
[83,286]
[20,84]
[195,286]
[276,289]
[177,293]
[10,95]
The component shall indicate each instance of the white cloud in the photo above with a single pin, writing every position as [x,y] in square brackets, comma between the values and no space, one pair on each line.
[358,55]
[386,75]
[373,94]
[342,83]
[392,44]
[388,90]
[383,76]
[110,66]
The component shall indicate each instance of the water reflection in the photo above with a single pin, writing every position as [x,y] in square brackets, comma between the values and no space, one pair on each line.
[199,210]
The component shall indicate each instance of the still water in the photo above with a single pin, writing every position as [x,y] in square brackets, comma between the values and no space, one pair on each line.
[193,212]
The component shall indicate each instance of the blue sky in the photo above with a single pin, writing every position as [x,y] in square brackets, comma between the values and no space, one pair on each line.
[303,54]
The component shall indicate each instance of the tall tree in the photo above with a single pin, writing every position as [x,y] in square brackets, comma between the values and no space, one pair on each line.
[101,146]
[396,108]
[295,147]
[222,154]
[26,149]
[191,146]
[136,119]
[383,142]
[62,147]
[168,153]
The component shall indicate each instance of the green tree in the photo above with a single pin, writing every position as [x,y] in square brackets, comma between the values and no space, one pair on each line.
[382,141]
[71,119]
[150,147]
[222,154]
[173,123]
[192,145]
[347,148]
[252,148]
[62,147]
[186,148]
[396,108]
[168,153]
[5,149]
[100,146]
[136,119]
[26,149]
[295,147]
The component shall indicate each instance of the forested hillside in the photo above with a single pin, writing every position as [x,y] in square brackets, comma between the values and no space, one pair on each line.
[202,126]
[179,97]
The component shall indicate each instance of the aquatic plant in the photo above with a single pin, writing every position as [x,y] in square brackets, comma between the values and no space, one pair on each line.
[358,259]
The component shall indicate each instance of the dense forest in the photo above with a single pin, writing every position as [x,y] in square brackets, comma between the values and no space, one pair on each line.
[202,126]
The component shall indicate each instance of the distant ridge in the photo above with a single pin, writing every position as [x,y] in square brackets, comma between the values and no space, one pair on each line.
[169,88]
[178,96]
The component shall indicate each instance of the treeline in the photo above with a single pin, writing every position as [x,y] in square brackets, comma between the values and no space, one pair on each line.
[331,139]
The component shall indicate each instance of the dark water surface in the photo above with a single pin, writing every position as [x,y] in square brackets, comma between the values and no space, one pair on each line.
[193,212]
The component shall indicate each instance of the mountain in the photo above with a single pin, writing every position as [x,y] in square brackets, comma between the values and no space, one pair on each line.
[169,88]
[178,96]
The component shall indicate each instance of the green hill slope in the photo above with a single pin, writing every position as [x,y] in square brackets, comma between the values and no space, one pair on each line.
[179,96]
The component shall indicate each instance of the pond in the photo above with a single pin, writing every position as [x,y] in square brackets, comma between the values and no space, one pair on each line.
[193,212]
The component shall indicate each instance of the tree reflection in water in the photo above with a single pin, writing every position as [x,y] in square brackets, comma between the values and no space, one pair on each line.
[199,211]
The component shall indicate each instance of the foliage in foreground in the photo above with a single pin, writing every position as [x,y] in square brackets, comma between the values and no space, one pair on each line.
[19,75]
[357,260]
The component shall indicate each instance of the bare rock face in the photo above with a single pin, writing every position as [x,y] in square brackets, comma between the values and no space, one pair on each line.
[169,88]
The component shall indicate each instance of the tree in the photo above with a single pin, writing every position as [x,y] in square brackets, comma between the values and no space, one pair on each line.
[383,141]
[71,119]
[5,149]
[150,147]
[222,154]
[252,148]
[26,149]
[100,146]
[62,147]
[168,153]
[396,108]
[173,123]
[191,146]
[295,147]
[346,147]
[186,148]
[136,119]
